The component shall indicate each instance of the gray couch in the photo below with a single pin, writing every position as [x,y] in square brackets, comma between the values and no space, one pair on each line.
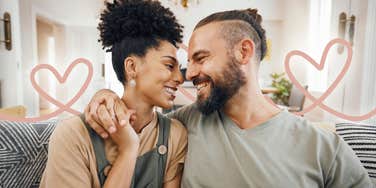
[23,150]
[23,153]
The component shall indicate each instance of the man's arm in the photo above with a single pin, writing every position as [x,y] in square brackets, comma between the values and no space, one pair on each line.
[183,114]
[104,123]
[346,170]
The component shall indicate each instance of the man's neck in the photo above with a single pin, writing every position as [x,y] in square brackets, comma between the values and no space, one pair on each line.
[144,111]
[249,108]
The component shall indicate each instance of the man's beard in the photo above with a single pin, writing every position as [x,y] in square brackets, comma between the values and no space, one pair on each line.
[223,89]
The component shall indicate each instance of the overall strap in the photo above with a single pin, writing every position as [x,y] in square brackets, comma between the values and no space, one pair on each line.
[100,153]
[164,125]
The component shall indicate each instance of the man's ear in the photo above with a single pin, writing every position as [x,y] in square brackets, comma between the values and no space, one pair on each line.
[130,67]
[244,51]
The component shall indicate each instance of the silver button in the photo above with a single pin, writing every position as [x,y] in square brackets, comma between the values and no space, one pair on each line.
[162,149]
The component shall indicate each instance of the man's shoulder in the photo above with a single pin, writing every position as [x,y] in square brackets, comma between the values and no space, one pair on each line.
[184,113]
[190,109]
[311,132]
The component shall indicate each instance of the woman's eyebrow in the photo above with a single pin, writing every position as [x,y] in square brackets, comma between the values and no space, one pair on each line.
[171,58]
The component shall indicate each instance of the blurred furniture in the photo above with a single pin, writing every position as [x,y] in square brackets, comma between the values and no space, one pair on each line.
[23,153]
[296,100]
[1,99]
[269,90]
[362,139]
[24,148]
[15,111]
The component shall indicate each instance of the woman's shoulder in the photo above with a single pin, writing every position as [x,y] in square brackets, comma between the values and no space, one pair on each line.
[178,133]
[177,126]
[71,130]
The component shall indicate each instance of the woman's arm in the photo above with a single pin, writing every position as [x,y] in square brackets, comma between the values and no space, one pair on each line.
[128,144]
[122,170]
[69,162]
[175,183]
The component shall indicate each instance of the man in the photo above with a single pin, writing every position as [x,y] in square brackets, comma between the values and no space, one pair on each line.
[236,138]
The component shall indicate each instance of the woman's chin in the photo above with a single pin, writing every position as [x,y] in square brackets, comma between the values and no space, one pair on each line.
[167,104]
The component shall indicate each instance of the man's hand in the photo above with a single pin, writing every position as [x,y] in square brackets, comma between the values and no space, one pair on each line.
[105,110]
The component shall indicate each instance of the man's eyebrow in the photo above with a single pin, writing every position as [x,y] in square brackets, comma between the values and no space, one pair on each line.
[198,53]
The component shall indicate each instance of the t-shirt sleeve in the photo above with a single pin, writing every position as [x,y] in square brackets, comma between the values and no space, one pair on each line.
[183,114]
[178,150]
[346,169]
[68,163]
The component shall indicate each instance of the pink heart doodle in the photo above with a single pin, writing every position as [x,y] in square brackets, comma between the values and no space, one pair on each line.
[45,95]
[320,66]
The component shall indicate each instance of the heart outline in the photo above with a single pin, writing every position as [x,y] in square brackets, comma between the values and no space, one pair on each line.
[61,106]
[319,101]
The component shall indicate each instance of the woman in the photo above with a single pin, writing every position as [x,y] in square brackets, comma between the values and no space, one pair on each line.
[148,152]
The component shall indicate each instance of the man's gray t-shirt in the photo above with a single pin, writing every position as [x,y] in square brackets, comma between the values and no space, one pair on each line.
[285,151]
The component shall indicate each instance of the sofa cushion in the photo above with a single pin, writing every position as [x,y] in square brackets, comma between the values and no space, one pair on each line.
[23,152]
[362,139]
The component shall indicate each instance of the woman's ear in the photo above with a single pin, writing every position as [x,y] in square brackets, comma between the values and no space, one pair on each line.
[130,67]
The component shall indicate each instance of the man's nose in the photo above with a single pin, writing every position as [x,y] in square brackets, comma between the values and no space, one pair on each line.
[192,71]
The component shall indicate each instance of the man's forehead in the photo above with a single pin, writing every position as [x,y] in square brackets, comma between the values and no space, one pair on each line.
[203,37]
[206,31]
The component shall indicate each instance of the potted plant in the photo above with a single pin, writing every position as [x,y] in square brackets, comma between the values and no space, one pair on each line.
[283,87]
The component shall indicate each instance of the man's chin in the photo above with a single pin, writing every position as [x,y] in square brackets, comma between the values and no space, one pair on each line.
[205,106]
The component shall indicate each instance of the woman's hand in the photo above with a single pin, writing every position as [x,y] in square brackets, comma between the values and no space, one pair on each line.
[126,138]
[102,116]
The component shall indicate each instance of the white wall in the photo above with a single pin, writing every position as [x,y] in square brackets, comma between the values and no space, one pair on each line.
[353,87]
[347,96]
[295,34]
[189,17]
[10,61]
[70,12]
[81,42]
[368,100]
[75,36]
[29,55]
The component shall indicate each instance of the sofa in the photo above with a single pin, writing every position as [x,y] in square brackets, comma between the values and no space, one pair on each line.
[23,150]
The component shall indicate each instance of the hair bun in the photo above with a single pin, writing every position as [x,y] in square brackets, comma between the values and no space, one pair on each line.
[135,19]
[253,13]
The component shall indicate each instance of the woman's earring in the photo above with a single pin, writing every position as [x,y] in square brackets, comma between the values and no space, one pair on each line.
[132,83]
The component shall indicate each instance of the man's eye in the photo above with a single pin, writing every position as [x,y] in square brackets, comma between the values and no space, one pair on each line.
[201,59]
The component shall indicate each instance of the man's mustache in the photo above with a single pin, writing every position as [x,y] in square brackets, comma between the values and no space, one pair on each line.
[199,79]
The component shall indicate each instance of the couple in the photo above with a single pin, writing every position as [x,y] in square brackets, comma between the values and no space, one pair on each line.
[235,137]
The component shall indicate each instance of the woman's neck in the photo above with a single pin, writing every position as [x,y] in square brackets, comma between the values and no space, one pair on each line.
[144,110]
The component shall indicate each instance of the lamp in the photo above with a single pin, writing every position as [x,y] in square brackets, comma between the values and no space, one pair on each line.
[7,31]
[185,3]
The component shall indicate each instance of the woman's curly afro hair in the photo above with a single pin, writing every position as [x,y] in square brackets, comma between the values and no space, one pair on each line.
[131,27]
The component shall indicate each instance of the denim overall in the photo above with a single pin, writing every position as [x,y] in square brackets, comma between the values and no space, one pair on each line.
[150,167]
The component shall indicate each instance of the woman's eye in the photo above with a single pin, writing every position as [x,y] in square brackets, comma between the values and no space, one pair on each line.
[170,66]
